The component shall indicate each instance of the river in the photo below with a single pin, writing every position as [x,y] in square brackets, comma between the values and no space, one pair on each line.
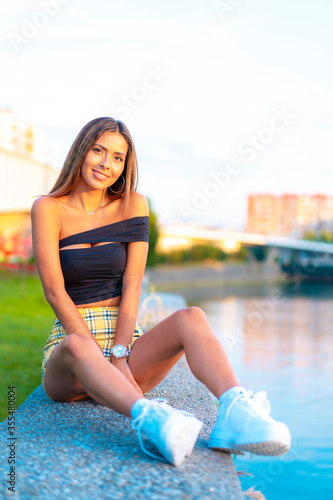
[279,339]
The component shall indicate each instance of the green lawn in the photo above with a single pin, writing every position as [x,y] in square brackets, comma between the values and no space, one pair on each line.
[25,323]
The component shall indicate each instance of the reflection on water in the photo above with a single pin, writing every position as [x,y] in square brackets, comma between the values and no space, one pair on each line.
[282,343]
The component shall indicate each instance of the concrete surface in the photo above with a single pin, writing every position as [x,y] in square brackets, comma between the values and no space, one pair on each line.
[83,450]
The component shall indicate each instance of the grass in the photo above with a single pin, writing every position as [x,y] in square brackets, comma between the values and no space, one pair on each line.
[25,323]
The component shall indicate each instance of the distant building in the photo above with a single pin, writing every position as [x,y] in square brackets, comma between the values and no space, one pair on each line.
[24,173]
[20,137]
[289,214]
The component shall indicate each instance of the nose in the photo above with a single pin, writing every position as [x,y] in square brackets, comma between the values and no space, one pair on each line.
[105,161]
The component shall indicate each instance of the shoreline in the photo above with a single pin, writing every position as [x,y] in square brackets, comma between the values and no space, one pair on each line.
[169,277]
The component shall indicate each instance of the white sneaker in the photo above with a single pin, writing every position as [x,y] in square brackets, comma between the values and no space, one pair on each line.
[173,432]
[244,424]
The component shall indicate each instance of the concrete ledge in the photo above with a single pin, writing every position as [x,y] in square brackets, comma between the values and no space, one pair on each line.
[83,450]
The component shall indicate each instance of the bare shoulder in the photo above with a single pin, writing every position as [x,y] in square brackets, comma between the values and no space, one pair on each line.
[45,210]
[138,205]
[45,203]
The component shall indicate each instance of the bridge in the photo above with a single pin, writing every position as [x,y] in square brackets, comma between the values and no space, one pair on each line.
[295,255]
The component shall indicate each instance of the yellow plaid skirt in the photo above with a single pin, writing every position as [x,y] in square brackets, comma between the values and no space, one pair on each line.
[101,321]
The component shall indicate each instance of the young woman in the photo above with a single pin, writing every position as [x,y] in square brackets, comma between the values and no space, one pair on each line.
[90,239]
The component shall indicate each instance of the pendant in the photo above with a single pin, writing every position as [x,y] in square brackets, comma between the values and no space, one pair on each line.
[91,213]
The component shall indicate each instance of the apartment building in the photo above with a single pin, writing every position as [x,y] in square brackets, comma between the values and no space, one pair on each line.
[20,137]
[289,214]
[24,172]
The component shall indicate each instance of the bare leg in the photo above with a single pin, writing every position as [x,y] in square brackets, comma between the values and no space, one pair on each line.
[155,353]
[77,369]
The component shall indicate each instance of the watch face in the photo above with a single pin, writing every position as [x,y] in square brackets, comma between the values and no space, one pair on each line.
[119,351]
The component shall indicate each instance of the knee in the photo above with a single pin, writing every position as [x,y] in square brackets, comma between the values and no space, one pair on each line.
[75,346]
[192,315]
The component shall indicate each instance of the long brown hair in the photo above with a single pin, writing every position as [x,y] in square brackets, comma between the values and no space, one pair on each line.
[71,169]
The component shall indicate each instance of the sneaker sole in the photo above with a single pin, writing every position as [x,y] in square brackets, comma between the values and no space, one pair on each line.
[268,448]
[184,439]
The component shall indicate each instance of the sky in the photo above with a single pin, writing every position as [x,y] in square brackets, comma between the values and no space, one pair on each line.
[223,98]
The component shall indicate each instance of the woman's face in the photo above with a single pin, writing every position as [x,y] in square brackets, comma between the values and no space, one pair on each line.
[105,161]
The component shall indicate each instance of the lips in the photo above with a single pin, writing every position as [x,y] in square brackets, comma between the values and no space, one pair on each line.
[99,175]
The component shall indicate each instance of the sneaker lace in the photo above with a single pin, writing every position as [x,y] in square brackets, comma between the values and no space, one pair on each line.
[257,402]
[137,423]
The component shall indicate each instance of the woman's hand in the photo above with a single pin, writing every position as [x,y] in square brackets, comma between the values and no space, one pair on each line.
[124,368]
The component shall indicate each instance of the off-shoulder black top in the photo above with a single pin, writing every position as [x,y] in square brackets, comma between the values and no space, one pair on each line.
[96,273]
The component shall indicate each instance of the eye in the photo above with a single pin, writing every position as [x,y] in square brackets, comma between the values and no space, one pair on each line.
[118,158]
[98,151]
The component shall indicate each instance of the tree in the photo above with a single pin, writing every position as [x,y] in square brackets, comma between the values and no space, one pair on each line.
[310,235]
[153,236]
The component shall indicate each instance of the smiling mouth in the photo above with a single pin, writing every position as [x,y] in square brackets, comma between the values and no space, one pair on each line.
[100,174]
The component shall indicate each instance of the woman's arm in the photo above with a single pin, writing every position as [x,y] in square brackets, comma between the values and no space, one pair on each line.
[131,291]
[135,266]
[45,237]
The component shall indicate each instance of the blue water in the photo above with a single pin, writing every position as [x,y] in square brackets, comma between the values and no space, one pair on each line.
[283,343]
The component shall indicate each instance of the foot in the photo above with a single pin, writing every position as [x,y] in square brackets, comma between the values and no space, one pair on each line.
[244,424]
[172,431]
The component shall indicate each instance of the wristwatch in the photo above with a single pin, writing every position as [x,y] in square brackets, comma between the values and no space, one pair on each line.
[120,351]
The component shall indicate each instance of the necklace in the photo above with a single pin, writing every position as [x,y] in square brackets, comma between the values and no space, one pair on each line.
[88,213]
